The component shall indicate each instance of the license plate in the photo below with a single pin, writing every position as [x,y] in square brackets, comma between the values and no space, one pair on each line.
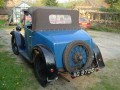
[82,72]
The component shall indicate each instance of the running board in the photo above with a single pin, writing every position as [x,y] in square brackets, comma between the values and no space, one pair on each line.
[25,55]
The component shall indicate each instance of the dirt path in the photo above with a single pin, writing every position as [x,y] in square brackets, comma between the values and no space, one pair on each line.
[6,39]
[109,45]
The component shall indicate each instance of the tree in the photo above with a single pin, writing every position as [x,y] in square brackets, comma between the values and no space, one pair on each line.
[117,6]
[37,3]
[71,4]
[50,2]
[2,3]
[111,2]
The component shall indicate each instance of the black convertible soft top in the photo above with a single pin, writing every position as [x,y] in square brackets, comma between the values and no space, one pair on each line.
[40,18]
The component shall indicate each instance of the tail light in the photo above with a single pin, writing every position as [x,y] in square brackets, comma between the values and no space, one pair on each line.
[51,70]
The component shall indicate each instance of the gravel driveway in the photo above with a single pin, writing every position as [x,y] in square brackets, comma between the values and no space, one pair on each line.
[109,44]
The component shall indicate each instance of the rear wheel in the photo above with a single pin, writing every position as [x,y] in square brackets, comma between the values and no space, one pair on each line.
[77,56]
[40,68]
[14,46]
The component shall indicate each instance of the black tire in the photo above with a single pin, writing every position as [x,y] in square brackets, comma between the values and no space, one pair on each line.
[67,52]
[40,69]
[14,46]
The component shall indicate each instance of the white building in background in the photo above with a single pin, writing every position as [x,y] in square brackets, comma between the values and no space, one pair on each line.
[17,12]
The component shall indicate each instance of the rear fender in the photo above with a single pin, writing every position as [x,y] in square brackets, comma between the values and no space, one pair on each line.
[50,61]
[19,39]
[98,57]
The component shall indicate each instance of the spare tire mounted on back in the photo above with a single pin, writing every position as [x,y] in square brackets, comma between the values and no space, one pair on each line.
[77,56]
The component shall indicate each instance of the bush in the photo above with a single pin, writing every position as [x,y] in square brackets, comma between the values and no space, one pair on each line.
[105,28]
[109,9]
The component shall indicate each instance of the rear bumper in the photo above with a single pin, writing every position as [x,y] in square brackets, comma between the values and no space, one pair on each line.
[82,72]
[50,80]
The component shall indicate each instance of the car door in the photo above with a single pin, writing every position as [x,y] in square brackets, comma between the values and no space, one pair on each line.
[28,39]
[28,33]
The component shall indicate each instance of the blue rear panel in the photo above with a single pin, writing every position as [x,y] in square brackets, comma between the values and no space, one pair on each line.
[58,40]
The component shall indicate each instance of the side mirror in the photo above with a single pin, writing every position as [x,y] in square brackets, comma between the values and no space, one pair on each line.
[18,28]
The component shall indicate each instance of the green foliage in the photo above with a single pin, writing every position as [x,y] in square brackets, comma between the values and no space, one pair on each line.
[70,5]
[111,2]
[37,3]
[61,5]
[114,8]
[105,28]
[50,2]
[117,5]
[2,3]
[109,9]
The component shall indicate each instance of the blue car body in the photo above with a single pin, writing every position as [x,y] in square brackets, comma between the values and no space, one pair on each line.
[57,41]
[53,44]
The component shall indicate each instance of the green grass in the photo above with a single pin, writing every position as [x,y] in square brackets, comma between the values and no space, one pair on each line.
[13,76]
[105,29]
[7,27]
[1,46]
[1,43]
[2,22]
[3,26]
[109,77]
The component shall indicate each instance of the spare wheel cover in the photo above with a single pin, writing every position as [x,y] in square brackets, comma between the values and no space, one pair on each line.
[77,56]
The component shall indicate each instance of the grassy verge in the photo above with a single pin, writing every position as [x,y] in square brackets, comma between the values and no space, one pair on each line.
[105,28]
[3,26]
[7,27]
[15,75]
[2,22]
[12,75]
[109,77]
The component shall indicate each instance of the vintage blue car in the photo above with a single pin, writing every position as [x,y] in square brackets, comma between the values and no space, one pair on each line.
[54,43]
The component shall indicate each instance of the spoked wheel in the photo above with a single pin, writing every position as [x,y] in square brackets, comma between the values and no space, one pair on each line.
[14,46]
[40,69]
[77,56]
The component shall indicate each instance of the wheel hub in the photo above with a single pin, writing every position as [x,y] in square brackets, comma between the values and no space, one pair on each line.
[77,57]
